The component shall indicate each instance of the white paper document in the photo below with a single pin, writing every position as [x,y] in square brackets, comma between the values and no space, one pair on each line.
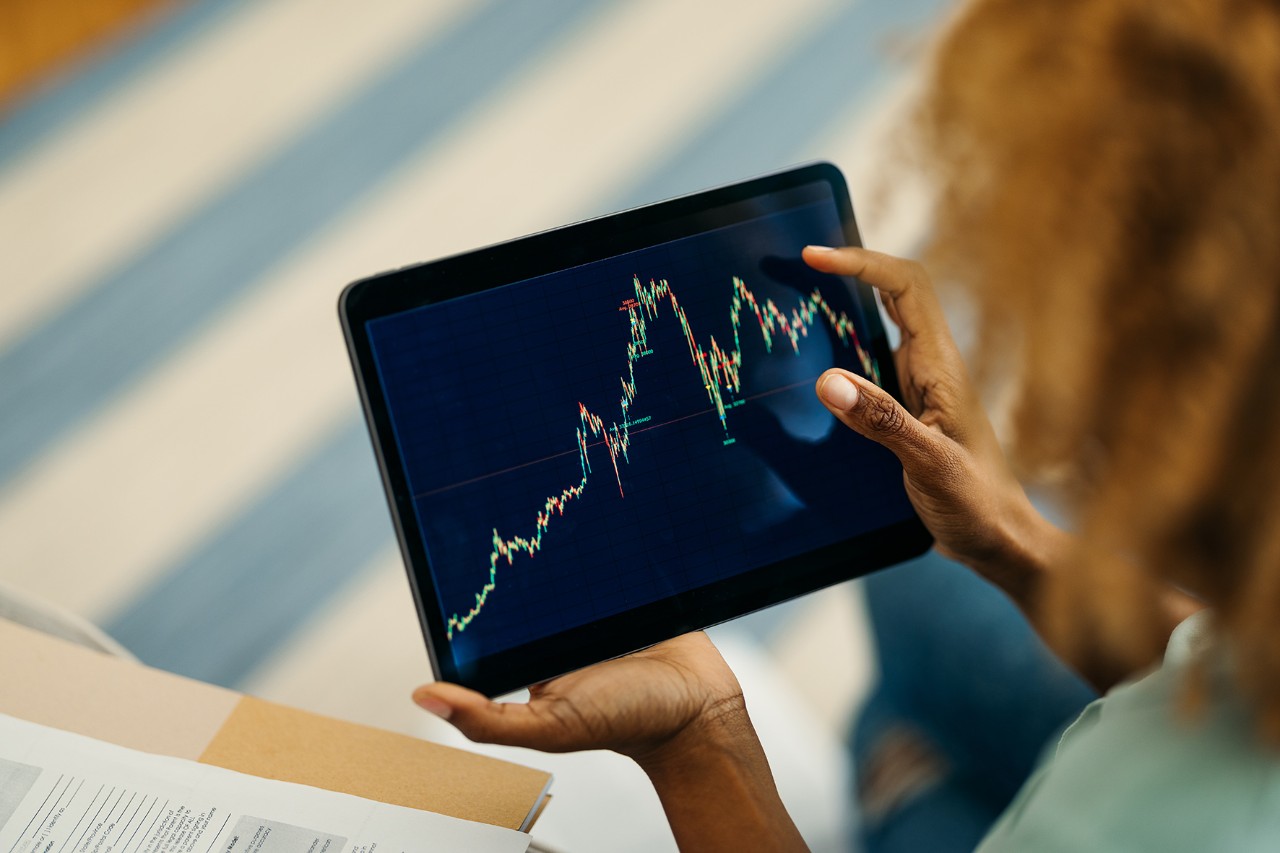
[65,793]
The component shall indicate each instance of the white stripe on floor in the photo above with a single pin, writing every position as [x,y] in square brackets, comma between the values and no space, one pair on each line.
[113,180]
[371,636]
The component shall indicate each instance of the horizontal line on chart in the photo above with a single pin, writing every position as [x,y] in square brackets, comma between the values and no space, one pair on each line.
[706,411]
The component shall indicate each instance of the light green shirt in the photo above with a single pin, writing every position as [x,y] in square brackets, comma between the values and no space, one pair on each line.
[1135,774]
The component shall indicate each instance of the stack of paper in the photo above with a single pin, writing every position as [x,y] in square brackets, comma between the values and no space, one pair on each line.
[66,793]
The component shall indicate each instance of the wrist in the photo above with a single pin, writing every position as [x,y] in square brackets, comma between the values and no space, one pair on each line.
[722,729]
[1023,549]
[716,788]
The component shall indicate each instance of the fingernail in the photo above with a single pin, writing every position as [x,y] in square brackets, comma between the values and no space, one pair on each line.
[813,248]
[839,392]
[431,704]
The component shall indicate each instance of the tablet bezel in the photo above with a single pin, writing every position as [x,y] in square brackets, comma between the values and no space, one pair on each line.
[549,252]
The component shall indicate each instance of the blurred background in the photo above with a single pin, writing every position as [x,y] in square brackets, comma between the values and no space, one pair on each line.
[186,187]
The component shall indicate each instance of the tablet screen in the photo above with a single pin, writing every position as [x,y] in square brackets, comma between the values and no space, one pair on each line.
[595,441]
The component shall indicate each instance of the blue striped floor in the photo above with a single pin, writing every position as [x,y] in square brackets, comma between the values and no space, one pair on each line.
[181,455]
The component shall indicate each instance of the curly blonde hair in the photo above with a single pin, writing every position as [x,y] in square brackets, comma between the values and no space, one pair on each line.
[1109,176]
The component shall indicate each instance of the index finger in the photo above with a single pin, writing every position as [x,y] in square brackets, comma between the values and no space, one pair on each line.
[903,282]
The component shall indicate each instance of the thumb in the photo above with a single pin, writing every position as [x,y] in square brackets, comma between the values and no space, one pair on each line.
[871,412]
[485,721]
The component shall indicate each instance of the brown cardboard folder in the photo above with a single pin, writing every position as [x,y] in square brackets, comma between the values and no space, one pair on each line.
[58,684]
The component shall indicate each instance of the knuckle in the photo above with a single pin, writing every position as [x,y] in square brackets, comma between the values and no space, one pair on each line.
[884,416]
[474,730]
[940,394]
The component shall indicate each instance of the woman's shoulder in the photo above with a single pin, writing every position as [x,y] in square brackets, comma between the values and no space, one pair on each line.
[1137,771]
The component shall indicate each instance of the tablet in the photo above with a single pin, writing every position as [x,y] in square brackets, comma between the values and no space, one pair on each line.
[605,435]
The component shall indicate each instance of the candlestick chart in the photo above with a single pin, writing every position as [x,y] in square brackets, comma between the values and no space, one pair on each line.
[717,367]
[607,439]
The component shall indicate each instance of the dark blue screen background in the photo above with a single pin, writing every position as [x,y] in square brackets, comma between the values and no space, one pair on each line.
[484,391]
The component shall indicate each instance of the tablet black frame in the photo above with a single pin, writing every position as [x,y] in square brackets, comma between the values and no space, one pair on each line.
[548,252]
